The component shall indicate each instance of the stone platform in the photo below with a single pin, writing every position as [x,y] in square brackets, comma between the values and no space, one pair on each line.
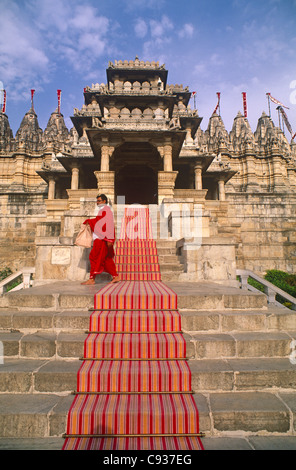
[238,347]
[68,295]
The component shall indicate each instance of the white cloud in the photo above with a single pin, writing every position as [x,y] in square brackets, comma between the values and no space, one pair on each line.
[86,18]
[141,28]
[216,59]
[158,37]
[132,5]
[155,49]
[22,57]
[160,28]
[187,31]
[36,36]
[92,43]
[200,69]
[50,13]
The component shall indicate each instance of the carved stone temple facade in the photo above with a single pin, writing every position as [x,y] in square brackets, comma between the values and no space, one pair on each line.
[226,200]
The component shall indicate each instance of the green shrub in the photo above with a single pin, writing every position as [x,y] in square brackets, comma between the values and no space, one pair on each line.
[4,274]
[283,280]
[256,284]
[291,280]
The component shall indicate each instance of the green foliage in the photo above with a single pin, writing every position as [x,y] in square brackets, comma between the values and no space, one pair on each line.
[13,284]
[291,280]
[256,284]
[4,274]
[283,280]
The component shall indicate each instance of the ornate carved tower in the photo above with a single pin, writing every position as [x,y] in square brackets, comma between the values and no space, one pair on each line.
[136,126]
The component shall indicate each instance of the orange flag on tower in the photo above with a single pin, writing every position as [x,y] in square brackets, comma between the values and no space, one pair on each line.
[218,104]
[59,100]
[4,101]
[245,104]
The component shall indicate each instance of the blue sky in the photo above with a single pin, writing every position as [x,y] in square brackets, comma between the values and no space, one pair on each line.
[226,46]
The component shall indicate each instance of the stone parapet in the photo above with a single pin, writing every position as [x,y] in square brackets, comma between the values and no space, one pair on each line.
[209,259]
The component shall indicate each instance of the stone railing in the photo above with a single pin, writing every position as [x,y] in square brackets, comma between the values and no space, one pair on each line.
[269,289]
[25,273]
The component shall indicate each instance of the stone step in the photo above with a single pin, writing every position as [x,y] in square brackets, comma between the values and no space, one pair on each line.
[30,320]
[33,415]
[166,251]
[38,376]
[168,258]
[85,301]
[247,412]
[43,344]
[170,276]
[45,443]
[171,267]
[165,244]
[72,295]
[238,345]
[239,352]
[45,415]
[235,442]
[259,374]
[67,344]
[25,375]
[271,319]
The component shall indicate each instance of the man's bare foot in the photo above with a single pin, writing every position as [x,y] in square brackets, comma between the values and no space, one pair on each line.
[115,279]
[90,282]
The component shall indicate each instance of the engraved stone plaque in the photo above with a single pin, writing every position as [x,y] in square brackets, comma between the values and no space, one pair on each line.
[60,255]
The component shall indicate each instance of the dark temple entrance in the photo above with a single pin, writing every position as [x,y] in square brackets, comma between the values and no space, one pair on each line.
[138,183]
[136,165]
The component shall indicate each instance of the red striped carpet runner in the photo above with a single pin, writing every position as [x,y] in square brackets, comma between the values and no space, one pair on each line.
[134,384]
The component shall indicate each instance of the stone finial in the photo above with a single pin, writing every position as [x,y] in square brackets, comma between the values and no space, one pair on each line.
[56,130]
[241,136]
[265,126]
[216,135]
[200,140]
[29,135]
[270,138]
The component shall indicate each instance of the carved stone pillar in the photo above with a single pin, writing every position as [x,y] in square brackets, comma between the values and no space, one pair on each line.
[105,153]
[105,181]
[51,188]
[18,177]
[188,139]
[221,186]
[252,182]
[167,157]
[277,174]
[75,178]
[166,184]
[198,177]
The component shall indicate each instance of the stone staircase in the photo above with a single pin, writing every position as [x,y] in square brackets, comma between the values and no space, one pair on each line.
[239,352]
[169,264]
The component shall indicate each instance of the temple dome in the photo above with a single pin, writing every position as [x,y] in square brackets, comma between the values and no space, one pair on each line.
[29,134]
[6,135]
[56,130]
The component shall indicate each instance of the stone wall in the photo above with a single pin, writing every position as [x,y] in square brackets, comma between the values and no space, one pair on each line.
[267,236]
[259,227]
[20,214]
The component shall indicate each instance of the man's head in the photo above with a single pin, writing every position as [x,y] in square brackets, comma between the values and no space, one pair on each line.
[101,199]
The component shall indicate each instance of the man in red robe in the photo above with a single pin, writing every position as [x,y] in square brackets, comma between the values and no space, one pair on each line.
[102,252]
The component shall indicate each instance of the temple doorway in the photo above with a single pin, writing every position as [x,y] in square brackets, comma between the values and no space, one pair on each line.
[137,183]
[136,165]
